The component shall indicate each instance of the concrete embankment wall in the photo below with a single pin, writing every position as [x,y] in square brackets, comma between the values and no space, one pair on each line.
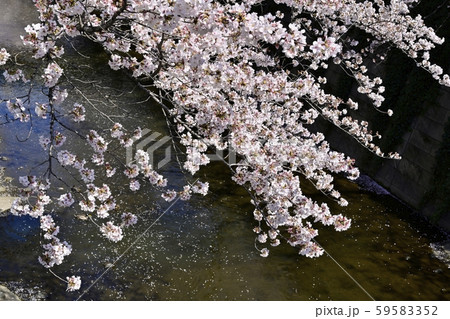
[411,179]
[419,129]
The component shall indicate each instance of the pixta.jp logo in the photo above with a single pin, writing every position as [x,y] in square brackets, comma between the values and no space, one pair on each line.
[155,146]
[158,146]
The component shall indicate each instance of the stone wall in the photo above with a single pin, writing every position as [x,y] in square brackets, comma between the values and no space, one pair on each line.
[412,177]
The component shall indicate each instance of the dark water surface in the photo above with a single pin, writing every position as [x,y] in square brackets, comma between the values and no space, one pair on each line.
[204,249]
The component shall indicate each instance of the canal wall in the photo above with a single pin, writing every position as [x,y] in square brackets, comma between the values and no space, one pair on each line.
[419,131]
[413,177]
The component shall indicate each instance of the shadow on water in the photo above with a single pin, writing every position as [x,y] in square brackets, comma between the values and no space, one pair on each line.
[204,249]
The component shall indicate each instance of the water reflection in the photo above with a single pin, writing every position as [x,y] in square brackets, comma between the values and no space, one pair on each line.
[16,14]
[204,249]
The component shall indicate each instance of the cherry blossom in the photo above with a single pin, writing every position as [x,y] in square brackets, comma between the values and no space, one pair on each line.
[52,74]
[129,219]
[41,110]
[78,112]
[112,232]
[73,283]
[65,158]
[13,76]
[264,252]
[135,185]
[4,56]
[18,110]
[66,200]
[59,139]
[116,130]
[110,171]
[44,142]
[54,253]
[49,227]
[200,188]
[169,195]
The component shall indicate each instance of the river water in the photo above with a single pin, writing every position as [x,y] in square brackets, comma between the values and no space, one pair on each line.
[202,249]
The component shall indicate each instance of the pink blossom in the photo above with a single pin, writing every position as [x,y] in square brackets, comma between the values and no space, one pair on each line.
[264,252]
[169,195]
[129,219]
[116,130]
[211,66]
[52,74]
[135,185]
[112,232]
[102,211]
[98,159]
[132,171]
[78,112]
[4,56]
[73,283]
[54,253]
[103,193]
[110,171]
[66,200]
[18,110]
[59,139]
[87,175]
[185,194]
[65,158]
[201,188]
[44,142]
[87,206]
[41,110]
[13,76]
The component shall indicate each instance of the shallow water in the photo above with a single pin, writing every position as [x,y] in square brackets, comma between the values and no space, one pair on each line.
[204,249]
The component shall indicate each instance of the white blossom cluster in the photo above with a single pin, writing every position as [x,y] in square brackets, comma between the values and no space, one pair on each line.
[4,56]
[33,199]
[226,84]
[14,76]
[18,110]
[33,202]
[51,75]
[73,283]
[78,112]
[54,253]
[112,232]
